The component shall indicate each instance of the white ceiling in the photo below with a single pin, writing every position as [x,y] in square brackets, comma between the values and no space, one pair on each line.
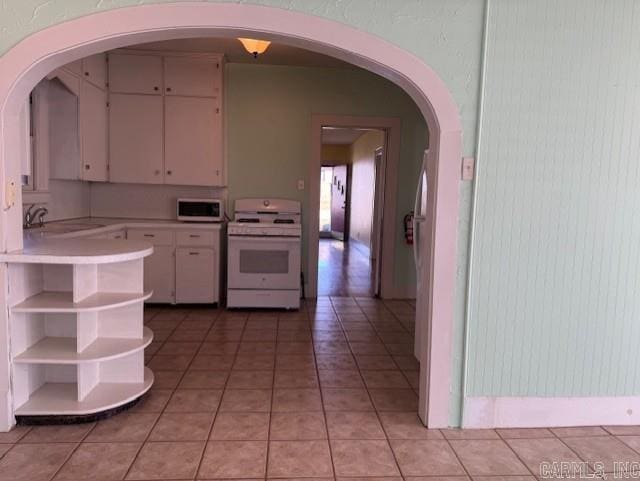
[341,136]
[276,54]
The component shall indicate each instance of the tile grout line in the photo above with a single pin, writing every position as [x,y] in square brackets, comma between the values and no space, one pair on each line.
[223,391]
[273,389]
[377,413]
[135,458]
[324,412]
[505,441]
[146,439]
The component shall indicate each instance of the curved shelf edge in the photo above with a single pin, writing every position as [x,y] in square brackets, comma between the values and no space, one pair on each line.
[62,302]
[78,251]
[60,398]
[61,350]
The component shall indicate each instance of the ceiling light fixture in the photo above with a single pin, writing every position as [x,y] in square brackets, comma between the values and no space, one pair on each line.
[255,47]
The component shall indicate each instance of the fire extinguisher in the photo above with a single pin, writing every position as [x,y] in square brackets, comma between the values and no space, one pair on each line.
[408,228]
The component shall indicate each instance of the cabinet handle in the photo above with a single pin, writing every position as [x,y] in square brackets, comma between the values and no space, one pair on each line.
[156,88]
[168,89]
[194,236]
[168,172]
[157,172]
[87,167]
[149,235]
[86,74]
[194,253]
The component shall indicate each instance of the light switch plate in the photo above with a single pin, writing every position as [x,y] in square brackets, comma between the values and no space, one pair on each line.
[301,185]
[10,194]
[468,168]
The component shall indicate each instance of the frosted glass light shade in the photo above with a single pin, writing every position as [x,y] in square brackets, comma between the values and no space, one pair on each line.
[255,47]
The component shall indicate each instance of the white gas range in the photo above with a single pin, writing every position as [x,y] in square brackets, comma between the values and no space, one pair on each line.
[263,261]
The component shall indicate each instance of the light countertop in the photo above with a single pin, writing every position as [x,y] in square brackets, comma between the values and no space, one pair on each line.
[64,242]
[78,251]
[86,226]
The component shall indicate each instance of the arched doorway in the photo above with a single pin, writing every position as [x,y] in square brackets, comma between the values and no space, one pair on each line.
[31,59]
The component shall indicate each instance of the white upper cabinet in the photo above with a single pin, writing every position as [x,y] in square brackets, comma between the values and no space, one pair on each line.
[74,67]
[192,76]
[64,135]
[165,118]
[93,132]
[192,141]
[135,138]
[94,70]
[135,74]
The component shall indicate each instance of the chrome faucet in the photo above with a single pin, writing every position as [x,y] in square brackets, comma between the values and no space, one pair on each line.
[38,213]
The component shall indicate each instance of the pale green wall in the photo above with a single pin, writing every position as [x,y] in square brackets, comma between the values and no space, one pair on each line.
[556,278]
[268,114]
[555,308]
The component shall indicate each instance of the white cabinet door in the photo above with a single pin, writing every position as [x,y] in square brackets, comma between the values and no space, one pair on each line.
[74,67]
[159,274]
[196,281]
[93,132]
[135,139]
[190,76]
[64,133]
[94,70]
[192,141]
[135,74]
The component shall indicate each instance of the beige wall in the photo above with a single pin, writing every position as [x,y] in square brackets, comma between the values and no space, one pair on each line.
[335,154]
[363,178]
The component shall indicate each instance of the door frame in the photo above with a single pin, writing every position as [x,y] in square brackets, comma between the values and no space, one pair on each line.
[33,57]
[391,127]
[375,254]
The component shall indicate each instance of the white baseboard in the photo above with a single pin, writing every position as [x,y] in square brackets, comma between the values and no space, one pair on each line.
[531,412]
[7,421]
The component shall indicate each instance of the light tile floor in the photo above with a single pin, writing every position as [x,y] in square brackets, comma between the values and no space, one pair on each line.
[327,393]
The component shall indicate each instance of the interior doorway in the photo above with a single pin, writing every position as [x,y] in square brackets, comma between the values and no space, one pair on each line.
[350,211]
[30,59]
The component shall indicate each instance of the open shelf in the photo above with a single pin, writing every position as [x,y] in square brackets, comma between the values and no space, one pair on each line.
[62,350]
[58,302]
[61,398]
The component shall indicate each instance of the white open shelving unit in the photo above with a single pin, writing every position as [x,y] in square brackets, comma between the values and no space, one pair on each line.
[76,325]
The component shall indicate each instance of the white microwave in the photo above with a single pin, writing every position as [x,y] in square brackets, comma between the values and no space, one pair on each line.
[200,210]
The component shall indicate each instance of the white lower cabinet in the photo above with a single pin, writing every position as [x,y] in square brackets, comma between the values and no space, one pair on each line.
[195,279]
[185,265]
[159,274]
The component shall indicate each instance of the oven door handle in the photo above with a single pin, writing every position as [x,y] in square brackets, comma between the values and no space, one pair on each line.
[270,239]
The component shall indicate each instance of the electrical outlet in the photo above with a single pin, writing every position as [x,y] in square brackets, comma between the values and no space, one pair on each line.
[301,185]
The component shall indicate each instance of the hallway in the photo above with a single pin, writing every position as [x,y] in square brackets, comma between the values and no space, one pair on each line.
[344,269]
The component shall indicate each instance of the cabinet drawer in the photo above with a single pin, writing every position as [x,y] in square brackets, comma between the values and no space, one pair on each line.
[195,238]
[156,237]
